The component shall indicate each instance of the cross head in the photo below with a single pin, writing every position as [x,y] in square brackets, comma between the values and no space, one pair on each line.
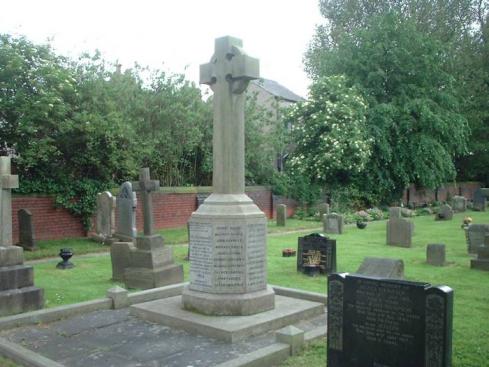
[146,186]
[231,65]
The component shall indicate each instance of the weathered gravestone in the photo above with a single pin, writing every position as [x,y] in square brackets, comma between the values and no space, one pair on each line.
[382,268]
[333,223]
[435,254]
[399,230]
[105,217]
[445,213]
[149,263]
[323,209]
[476,233]
[480,199]
[26,230]
[316,246]
[228,231]
[281,214]
[388,323]
[459,203]
[126,213]
[482,261]
[17,290]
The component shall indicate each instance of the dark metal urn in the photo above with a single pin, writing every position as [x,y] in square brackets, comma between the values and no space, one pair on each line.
[361,224]
[65,254]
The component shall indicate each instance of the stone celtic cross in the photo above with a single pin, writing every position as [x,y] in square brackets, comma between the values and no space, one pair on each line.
[146,186]
[7,183]
[228,74]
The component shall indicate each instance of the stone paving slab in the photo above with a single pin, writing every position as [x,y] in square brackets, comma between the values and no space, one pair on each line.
[116,338]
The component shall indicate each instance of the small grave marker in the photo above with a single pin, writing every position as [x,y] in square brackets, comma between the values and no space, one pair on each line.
[382,268]
[333,223]
[281,215]
[399,230]
[26,230]
[435,254]
[445,213]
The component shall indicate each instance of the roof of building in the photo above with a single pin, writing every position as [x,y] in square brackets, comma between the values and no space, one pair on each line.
[278,90]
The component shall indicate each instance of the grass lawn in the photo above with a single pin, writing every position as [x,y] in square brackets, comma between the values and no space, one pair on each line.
[50,248]
[91,278]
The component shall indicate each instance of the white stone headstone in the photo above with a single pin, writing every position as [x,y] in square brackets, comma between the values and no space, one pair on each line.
[105,218]
[126,213]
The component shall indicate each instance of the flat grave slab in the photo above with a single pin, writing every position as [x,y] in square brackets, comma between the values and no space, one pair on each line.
[116,338]
[169,312]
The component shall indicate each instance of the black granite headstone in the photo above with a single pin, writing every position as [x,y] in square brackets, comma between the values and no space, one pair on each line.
[319,245]
[376,322]
[26,230]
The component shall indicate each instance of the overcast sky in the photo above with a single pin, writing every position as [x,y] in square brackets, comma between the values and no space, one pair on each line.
[176,35]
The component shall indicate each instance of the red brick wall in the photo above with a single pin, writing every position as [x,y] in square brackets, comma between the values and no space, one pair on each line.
[170,210]
[49,222]
[421,196]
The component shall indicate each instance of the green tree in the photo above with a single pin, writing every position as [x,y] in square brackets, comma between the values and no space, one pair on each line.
[414,107]
[330,133]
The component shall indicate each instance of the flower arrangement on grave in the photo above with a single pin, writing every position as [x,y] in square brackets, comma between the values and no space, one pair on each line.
[313,258]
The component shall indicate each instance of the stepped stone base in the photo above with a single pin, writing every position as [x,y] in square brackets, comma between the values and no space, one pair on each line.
[228,304]
[21,300]
[18,276]
[169,312]
[11,255]
[152,278]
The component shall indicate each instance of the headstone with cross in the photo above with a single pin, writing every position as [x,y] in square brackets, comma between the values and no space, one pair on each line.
[228,231]
[17,290]
[149,264]
[7,183]
[145,186]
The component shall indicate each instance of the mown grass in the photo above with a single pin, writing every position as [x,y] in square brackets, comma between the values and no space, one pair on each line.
[91,278]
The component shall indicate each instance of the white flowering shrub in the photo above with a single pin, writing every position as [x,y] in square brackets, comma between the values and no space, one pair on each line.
[330,132]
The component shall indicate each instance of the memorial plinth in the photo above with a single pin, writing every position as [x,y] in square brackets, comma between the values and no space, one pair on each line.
[228,231]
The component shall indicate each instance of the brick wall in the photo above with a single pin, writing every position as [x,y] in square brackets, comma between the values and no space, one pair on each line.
[49,222]
[171,209]
[420,196]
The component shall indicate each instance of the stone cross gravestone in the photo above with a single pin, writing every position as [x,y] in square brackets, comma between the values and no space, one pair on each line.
[382,268]
[445,213]
[333,223]
[126,213]
[7,183]
[281,214]
[317,246]
[105,217]
[26,230]
[399,230]
[435,254]
[17,291]
[228,231]
[476,234]
[480,199]
[459,203]
[392,323]
[149,263]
